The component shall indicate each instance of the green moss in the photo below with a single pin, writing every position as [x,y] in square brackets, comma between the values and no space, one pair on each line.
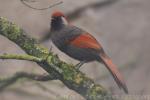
[12,32]
[42,49]
[71,74]
[49,59]
[73,78]
[68,73]
[16,34]
[97,89]
[3,25]
[78,78]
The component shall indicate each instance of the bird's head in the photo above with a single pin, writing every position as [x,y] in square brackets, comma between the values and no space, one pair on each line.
[57,14]
[58,20]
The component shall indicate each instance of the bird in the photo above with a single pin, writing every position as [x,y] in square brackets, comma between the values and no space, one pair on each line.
[81,45]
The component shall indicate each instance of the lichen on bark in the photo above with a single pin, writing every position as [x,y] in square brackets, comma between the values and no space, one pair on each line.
[72,78]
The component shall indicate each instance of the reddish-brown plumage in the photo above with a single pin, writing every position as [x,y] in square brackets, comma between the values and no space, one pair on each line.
[114,71]
[85,41]
[57,14]
[81,45]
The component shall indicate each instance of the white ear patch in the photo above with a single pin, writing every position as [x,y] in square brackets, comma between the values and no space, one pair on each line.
[64,21]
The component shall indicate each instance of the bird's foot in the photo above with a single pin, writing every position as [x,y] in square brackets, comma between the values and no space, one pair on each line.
[50,49]
[77,66]
[49,52]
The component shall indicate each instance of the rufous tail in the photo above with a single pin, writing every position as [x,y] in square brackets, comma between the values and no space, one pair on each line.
[114,71]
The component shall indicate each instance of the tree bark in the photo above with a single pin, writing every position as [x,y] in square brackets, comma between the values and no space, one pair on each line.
[72,78]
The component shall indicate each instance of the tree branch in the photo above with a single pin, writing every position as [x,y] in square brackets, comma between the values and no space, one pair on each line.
[45,8]
[100,4]
[21,57]
[67,73]
[11,80]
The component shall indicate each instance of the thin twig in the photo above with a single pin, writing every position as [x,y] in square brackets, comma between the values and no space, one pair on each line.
[11,80]
[96,5]
[21,57]
[55,4]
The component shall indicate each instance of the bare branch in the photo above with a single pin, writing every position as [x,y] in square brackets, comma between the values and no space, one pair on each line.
[77,12]
[55,4]
[11,80]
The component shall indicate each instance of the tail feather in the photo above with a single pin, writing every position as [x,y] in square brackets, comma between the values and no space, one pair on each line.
[114,71]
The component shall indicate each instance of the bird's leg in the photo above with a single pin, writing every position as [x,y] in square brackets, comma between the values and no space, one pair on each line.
[79,64]
[50,49]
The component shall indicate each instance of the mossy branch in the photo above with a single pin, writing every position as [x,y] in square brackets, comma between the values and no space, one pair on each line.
[21,57]
[67,73]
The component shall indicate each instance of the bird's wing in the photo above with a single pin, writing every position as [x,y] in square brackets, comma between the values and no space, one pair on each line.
[85,41]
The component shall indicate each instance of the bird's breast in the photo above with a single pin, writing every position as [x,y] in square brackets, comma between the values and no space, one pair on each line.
[59,41]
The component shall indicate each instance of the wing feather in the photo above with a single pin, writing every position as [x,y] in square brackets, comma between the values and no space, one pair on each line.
[85,41]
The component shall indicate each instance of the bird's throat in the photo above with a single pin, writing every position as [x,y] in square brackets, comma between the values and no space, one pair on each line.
[58,23]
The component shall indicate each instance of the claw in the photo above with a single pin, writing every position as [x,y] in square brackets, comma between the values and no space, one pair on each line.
[77,66]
